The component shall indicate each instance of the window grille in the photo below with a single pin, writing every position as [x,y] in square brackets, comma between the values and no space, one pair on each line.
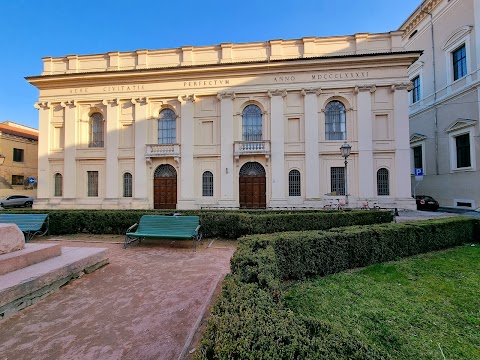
[335,121]
[417,157]
[252,169]
[294,183]
[96,130]
[459,63]
[416,89]
[18,155]
[92,183]
[18,179]
[167,127]
[127,185]
[463,150]
[165,170]
[383,186]
[58,182]
[337,180]
[252,123]
[207,184]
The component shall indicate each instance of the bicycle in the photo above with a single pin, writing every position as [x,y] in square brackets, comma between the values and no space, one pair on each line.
[339,205]
[366,206]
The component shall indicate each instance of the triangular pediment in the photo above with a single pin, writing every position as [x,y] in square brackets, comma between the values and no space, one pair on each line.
[456,36]
[417,137]
[460,124]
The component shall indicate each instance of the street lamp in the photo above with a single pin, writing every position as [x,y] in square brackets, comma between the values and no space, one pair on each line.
[345,151]
[2,159]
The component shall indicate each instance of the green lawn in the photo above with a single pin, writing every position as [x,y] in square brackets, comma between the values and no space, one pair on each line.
[424,307]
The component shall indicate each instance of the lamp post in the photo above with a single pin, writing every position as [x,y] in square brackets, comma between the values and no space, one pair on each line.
[345,151]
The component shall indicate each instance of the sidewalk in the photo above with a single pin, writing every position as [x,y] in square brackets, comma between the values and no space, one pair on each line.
[146,304]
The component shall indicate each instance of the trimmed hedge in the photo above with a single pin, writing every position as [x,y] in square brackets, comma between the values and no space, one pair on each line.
[249,321]
[225,224]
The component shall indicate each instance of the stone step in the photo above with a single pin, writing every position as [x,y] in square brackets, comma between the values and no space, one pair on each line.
[31,254]
[23,287]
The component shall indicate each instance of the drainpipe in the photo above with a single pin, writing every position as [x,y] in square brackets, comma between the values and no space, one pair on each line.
[434,91]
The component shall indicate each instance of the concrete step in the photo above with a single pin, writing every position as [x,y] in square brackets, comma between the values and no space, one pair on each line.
[31,254]
[23,287]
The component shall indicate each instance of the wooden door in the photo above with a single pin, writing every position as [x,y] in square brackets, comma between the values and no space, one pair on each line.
[252,192]
[165,193]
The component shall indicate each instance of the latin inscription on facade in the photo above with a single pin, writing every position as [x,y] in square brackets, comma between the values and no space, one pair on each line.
[200,83]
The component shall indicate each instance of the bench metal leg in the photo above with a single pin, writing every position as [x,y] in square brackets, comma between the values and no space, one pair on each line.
[129,240]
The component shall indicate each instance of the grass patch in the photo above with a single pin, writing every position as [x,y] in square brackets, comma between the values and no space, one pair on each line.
[423,307]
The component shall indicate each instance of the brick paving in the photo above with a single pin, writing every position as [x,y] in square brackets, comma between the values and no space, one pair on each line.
[146,304]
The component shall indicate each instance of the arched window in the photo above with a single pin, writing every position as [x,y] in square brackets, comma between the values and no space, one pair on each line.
[335,121]
[383,185]
[294,183]
[207,184]
[167,127]
[127,185]
[58,184]
[96,130]
[252,123]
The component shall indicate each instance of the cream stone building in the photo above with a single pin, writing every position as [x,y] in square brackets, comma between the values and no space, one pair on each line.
[249,125]
[444,102]
[19,146]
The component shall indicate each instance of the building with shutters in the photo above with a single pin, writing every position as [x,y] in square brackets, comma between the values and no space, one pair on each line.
[19,145]
[252,125]
[444,102]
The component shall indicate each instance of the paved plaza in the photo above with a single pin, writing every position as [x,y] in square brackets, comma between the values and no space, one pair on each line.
[146,304]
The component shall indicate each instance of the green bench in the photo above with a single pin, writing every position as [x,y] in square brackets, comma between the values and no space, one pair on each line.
[29,224]
[165,227]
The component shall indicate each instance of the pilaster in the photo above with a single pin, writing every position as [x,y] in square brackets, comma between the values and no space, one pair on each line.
[312,166]
[140,175]
[186,200]
[44,177]
[277,148]
[70,152]
[365,142]
[226,159]
[111,157]
[402,142]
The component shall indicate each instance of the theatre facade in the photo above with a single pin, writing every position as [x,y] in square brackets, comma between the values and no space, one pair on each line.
[252,125]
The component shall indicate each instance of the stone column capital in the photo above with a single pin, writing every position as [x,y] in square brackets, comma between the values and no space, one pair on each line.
[42,105]
[282,93]
[187,98]
[312,91]
[226,95]
[371,88]
[402,86]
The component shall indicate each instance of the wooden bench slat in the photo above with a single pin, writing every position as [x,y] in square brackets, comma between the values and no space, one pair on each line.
[165,227]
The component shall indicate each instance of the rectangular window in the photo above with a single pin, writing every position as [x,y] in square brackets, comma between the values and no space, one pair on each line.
[459,63]
[92,183]
[17,155]
[416,90]
[337,180]
[462,143]
[417,157]
[18,179]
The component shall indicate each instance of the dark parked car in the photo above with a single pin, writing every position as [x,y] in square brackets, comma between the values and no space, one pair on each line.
[425,202]
[16,200]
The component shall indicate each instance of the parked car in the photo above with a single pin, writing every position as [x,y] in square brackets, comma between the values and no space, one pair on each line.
[16,200]
[425,202]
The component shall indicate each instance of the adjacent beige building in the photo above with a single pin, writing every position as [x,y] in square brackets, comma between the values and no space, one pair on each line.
[19,145]
[444,102]
[253,125]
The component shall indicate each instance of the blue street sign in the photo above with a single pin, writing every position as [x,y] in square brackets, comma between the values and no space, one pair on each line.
[31,180]
[418,171]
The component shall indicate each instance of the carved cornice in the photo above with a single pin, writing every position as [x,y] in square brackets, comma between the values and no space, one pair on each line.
[311,91]
[418,16]
[187,98]
[42,105]
[282,93]
[226,95]
[371,88]
[403,86]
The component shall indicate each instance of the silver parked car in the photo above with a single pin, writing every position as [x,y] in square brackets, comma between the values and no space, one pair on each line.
[16,200]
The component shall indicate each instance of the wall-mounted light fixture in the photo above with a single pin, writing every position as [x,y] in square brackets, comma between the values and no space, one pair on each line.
[2,159]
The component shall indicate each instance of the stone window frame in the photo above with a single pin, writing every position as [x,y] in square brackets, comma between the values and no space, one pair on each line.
[456,40]
[415,141]
[458,128]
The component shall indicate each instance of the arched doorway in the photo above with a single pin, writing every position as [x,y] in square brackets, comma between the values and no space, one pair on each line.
[165,187]
[252,186]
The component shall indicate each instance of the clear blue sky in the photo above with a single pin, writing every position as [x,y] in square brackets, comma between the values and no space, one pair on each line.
[32,29]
